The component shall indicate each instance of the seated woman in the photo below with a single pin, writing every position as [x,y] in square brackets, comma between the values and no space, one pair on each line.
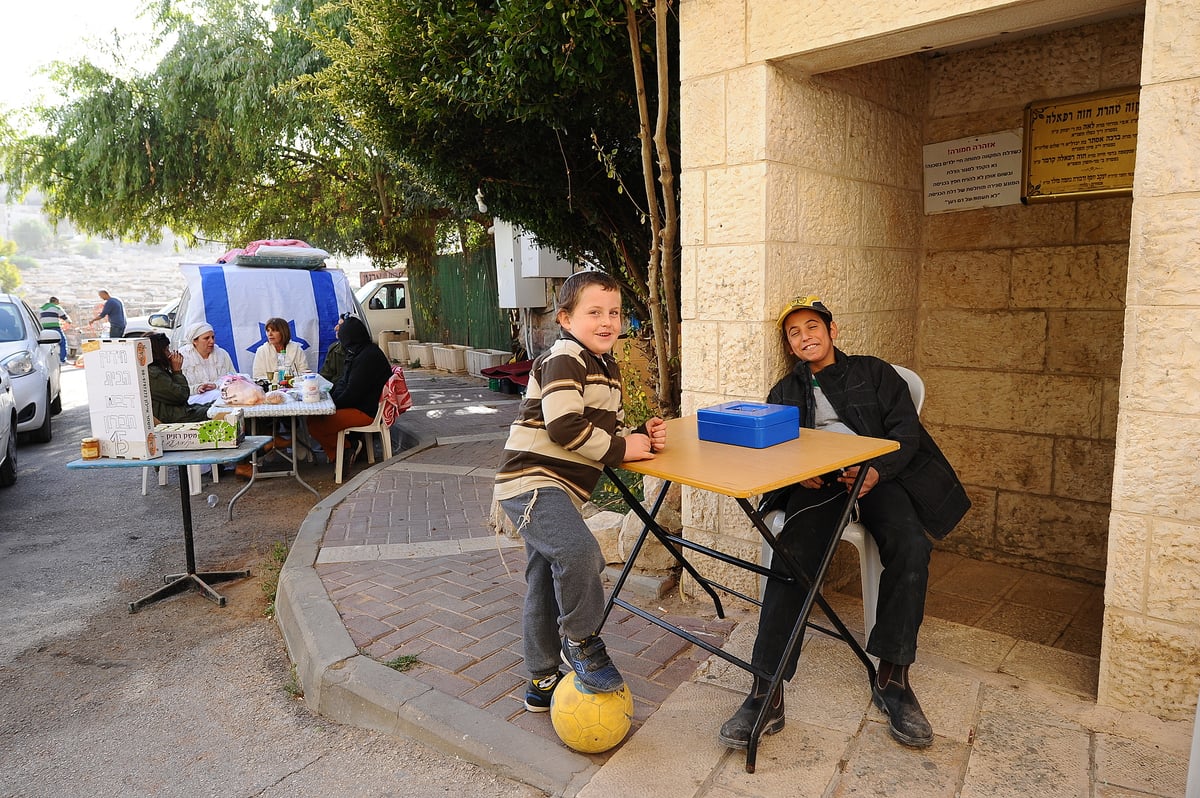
[357,391]
[169,390]
[279,352]
[203,361]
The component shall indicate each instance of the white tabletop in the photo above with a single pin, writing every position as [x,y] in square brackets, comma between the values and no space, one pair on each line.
[325,407]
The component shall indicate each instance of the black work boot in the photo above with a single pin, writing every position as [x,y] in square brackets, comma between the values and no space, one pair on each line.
[735,732]
[893,695]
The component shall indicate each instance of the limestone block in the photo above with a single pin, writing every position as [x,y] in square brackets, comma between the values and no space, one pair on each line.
[745,110]
[984,339]
[1121,51]
[800,269]
[653,557]
[977,530]
[1163,243]
[1155,470]
[1104,221]
[1164,364]
[1085,342]
[711,37]
[1032,403]
[1043,224]
[1128,563]
[1052,529]
[742,370]
[889,335]
[783,197]
[1070,277]
[1168,147]
[1011,74]
[830,210]
[687,282]
[699,510]
[1171,592]
[1083,469]
[730,575]
[1012,461]
[736,207]
[897,164]
[1110,397]
[702,122]
[950,124]
[885,280]
[691,208]
[965,279]
[606,527]
[1173,48]
[791,137]
[1149,666]
[897,84]
[728,282]
[891,217]
[699,355]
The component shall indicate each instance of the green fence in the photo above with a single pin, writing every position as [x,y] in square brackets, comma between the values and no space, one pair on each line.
[456,302]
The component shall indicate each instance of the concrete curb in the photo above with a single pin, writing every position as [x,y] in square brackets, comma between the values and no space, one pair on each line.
[345,686]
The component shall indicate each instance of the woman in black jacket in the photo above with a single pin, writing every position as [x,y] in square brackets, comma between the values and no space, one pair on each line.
[904,494]
[357,391]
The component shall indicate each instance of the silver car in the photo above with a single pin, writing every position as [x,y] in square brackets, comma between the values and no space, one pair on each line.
[29,357]
[8,432]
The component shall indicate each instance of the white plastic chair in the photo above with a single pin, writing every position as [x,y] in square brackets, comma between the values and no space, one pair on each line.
[193,477]
[869,565]
[376,426]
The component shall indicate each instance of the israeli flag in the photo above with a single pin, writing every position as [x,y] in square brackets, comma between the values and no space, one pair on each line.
[238,300]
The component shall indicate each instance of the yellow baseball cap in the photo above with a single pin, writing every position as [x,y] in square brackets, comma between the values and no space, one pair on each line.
[811,302]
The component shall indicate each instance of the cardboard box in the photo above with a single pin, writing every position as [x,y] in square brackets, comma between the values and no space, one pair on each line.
[751,424]
[225,432]
[118,388]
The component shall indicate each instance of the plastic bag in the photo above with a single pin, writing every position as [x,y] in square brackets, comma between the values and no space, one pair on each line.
[237,389]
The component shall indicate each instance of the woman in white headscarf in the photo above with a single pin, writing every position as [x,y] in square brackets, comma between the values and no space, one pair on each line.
[203,361]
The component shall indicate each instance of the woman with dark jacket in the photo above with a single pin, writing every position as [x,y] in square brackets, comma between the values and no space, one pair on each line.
[356,393]
[906,496]
[169,390]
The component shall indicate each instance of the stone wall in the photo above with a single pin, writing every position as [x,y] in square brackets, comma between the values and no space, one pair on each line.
[1022,315]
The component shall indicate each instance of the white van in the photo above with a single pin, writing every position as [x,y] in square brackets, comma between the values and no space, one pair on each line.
[238,300]
[385,303]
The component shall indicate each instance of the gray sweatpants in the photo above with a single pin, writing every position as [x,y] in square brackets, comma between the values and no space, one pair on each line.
[564,596]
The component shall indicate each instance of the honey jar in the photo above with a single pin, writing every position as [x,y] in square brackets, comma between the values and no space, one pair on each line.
[89,449]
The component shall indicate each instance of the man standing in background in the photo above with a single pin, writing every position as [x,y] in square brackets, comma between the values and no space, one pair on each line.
[53,317]
[114,311]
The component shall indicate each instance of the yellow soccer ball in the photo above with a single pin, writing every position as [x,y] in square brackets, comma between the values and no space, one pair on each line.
[590,722]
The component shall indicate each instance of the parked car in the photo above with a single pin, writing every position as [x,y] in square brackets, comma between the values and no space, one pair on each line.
[238,300]
[140,326]
[29,357]
[385,303]
[8,432]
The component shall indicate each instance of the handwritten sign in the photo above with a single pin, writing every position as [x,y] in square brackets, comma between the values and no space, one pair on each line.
[1082,145]
[976,172]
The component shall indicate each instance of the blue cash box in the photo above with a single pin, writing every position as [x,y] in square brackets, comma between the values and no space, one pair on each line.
[751,424]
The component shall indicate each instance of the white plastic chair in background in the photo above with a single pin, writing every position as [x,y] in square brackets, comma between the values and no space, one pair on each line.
[869,565]
[376,426]
[193,477]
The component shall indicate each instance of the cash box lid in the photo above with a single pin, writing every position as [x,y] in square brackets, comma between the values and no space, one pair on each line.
[750,414]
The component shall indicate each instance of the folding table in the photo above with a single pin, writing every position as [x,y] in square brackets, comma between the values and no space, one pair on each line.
[183,459]
[741,472]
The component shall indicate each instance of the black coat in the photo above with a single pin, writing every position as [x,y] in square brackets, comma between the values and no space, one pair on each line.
[366,370]
[873,400]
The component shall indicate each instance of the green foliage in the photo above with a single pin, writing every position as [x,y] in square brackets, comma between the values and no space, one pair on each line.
[10,276]
[607,497]
[404,662]
[89,249]
[270,571]
[31,235]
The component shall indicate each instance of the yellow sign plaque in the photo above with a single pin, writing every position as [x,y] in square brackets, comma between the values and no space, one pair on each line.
[1080,146]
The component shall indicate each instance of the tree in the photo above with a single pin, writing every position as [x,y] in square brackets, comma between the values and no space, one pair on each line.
[10,275]
[219,142]
[540,105]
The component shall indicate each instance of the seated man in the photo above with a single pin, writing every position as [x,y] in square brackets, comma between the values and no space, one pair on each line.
[904,495]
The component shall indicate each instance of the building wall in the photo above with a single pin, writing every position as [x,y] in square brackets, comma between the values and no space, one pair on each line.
[799,179]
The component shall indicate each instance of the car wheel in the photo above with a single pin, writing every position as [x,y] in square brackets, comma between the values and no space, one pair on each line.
[8,470]
[56,405]
[43,434]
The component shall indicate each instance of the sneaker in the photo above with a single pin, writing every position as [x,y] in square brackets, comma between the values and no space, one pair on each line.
[589,659]
[537,694]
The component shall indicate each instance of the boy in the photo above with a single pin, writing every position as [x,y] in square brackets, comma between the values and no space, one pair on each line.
[904,495]
[564,434]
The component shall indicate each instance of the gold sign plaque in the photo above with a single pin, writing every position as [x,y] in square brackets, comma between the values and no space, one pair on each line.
[1080,146]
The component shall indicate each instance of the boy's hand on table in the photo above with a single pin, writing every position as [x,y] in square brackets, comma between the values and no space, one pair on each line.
[656,430]
[637,447]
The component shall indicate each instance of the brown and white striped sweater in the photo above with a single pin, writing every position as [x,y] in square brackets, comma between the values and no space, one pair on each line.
[567,428]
